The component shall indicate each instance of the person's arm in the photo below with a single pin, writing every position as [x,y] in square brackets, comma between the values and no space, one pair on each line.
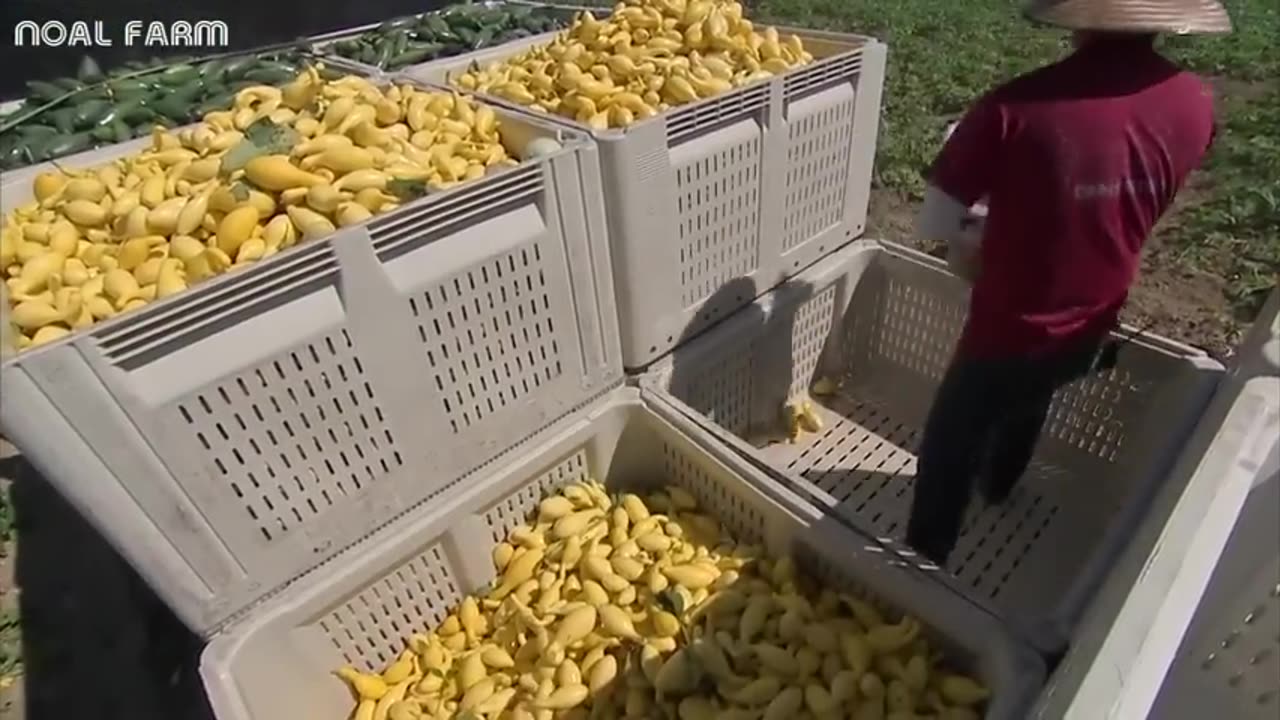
[963,174]
[943,219]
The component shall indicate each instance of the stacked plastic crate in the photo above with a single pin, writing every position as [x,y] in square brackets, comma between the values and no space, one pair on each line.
[714,202]
[233,436]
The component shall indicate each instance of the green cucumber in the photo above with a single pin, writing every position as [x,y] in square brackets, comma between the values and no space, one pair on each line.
[35,133]
[66,145]
[64,119]
[179,75]
[103,133]
[392,25]
[212,71]
[270,75]
[120,131]
[45,91]
[437,24]
[416,55]
[236,69]
[217,102]
[90,112]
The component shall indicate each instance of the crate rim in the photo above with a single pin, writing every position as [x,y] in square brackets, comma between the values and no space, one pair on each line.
[863,42]
[571,141]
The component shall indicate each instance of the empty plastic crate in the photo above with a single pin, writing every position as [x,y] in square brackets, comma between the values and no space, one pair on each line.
[882,321]
[712,203]
[279,662]
[231,437]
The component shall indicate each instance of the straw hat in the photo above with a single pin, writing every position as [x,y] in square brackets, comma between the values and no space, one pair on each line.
[1143,16]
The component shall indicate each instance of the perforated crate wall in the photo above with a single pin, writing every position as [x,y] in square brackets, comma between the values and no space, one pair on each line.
[250,430]
[370,629]
[882,323]
[898,348]
[518,507]
[1229,659]
[713,203]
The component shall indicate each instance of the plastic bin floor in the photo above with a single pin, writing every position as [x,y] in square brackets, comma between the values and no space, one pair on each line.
[865,459]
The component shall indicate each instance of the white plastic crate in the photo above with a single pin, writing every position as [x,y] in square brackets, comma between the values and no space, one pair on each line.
[1230,657]
[882,320]
[1128,641]
[713,203]
[229,438]
[279,662]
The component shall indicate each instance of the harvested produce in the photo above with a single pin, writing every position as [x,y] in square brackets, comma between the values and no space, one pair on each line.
[280,166]
[617,607]
[93,110]
[647,57]
[800,416]
[451,31]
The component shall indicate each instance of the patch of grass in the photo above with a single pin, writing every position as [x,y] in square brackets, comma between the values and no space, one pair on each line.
[1235,230]
[10,645]
[7,519]
[943,55]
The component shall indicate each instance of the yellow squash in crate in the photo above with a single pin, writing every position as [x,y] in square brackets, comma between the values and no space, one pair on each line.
[281,166]
[614,607]
[647,57]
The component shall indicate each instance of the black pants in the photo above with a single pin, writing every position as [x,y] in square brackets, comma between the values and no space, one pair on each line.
[984,424]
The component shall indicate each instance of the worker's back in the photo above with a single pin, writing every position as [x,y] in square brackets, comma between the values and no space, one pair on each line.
[1079,160]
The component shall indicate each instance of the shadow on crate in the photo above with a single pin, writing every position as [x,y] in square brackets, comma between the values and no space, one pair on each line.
[96,642]
[731,392]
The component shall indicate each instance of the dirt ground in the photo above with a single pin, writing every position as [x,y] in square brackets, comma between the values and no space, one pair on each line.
[1168,300]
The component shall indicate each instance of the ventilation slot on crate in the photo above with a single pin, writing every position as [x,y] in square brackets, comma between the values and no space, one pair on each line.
[995,541]
[489,197]
[294,437]
[719,232]
[225,302]
[1246,659]
[809,332]
[737,516]
[864,459]
[370,629]
[706,115]
[1084,414]
[821,74]
[489,335]
[917,329]
[518,507]
[818,146]
[721,390]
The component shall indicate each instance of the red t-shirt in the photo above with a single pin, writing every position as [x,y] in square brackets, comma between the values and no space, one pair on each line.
[1077,161]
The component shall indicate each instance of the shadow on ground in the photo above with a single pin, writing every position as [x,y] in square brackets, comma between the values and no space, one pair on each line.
[96,642]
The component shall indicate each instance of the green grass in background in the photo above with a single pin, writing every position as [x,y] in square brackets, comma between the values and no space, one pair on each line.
[10,620]
[943,55]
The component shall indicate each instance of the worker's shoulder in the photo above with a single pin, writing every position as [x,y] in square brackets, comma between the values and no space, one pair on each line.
[1072,79]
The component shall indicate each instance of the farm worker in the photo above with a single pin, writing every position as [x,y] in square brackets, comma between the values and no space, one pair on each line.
[1075,162]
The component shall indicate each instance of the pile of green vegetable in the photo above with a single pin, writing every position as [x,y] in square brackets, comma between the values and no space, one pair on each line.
[455,30]
[73,114]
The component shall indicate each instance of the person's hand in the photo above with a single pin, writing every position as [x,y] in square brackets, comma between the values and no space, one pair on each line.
[964,252]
